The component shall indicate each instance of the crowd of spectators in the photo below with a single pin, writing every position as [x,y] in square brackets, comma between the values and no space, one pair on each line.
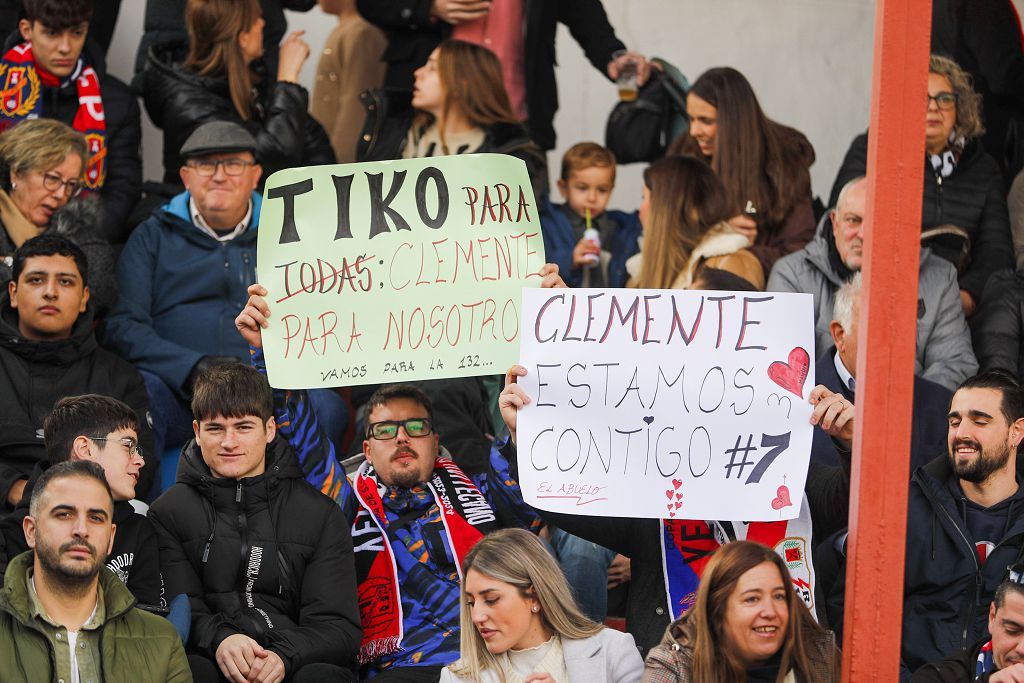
[130,333]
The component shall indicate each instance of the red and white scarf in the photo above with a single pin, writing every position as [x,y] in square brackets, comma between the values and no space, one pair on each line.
[22,79]
[466,516]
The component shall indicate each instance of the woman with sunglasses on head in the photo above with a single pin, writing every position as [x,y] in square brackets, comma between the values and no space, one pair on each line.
[964,217]
[41,165]
[520,624]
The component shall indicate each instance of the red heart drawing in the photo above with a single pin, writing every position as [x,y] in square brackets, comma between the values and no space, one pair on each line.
[668,494]
[678,505]
[679,496]
[782,499]
[671,513]
[791,375]
[676,484]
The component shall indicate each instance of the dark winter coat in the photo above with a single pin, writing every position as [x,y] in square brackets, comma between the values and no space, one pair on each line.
[972,198]
[35,375]
[998,326]
[268,556]
[389,115]
[957,668]
[413,34]
[178,101]
[827,491]
[134,646]
[180,292]
[560,241]
[135,558]
[123,186]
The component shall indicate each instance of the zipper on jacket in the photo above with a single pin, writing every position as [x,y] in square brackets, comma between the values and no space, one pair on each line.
[938,202]
[243,535]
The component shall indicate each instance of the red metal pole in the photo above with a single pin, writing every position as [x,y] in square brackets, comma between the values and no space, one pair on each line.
[885,357]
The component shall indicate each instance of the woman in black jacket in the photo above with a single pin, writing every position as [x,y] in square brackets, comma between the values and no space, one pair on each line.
[458,106]
[220,80]
[964,217]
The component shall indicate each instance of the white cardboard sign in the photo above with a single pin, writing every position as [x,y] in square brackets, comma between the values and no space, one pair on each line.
[666,404]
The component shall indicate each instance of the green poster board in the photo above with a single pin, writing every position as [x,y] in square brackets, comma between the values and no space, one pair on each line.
[397,270]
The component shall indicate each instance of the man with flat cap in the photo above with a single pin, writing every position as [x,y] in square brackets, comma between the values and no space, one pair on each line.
[183,276]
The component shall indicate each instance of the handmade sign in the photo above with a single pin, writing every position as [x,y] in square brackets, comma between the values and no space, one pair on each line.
[396,270]
[666,404]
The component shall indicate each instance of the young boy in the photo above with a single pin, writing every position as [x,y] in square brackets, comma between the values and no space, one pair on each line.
[586,184]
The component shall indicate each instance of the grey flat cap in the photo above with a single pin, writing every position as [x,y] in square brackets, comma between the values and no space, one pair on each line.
[215,137]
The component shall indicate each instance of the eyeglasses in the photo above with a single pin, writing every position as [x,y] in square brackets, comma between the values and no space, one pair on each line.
[945,101]
[388,429]
[208,167]
[53,182]
[131,444]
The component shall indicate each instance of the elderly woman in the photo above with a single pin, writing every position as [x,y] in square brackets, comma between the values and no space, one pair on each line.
[746,624]
[41,163]
[964,218]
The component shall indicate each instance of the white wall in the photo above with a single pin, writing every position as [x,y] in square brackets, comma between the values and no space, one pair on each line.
[808,60]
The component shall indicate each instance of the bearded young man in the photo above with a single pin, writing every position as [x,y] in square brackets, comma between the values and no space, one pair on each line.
[65,616]
[965,522]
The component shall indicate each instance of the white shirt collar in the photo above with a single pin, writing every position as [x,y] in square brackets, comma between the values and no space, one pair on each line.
[200,222]
[848,380]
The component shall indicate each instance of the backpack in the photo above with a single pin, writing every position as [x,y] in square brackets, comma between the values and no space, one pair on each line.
[642,130]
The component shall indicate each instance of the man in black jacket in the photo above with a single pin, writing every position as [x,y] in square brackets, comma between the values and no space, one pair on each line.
[415,27]
[49,74]
[105,431]
[48,351]
[265,559]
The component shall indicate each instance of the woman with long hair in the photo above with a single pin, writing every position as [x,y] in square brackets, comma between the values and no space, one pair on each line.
[763,164]
[458,106]
[746,624]
[684,213]
[220,78]
[964,217]
[519,621]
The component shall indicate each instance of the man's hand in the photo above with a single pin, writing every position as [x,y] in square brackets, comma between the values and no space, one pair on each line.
[235,656]
[967,301]
[512,398]
[457,11]
[643,67]
[268,668]
[584,250]
[253,318]
[833,413]
[552,280]
[619,571]
[746,226]
[1011,674]
[15,493]
[291,56]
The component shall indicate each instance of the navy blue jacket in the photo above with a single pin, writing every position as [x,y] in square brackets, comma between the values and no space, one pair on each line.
[928,430]
[560,240]
[180,291]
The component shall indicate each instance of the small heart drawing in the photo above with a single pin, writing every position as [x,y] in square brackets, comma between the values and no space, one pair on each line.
[676,483]
[782,499]
[678,505]
[791,375]
[671,513]
[679,496]
[649,419]
[668,494]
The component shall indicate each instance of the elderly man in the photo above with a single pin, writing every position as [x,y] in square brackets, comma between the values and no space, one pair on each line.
[183,277]
[944,353]
[63,615]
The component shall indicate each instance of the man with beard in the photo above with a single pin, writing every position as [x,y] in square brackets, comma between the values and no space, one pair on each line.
[965,522]
[63,615]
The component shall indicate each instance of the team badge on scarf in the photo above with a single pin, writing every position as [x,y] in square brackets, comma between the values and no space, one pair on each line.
[21,80]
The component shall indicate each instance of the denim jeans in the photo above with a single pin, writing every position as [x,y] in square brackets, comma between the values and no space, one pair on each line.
[585,566]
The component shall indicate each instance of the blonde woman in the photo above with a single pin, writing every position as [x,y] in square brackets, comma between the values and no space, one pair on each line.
[520,623]
[684,213]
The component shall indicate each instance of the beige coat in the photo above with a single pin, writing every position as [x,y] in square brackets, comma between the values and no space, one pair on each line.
[721,248]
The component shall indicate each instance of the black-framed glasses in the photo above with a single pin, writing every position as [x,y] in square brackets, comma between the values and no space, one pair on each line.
[945,101]
[388,429]
[53,182]
[208,167]
[131,444]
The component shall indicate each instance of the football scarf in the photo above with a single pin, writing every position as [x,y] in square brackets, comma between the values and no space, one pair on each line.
[22,80]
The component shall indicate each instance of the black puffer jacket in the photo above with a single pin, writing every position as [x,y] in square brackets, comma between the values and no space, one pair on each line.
[998,328]
[268,556]
[972,198]
[35,375]
[179,101]
[389,114]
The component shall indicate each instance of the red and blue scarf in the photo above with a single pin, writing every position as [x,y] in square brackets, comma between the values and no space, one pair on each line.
[22,80]
[687,545]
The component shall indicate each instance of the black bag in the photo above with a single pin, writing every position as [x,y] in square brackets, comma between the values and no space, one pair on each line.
[642,130]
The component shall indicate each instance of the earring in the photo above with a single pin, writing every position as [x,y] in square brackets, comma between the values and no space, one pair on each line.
[14,185]
[536,609]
